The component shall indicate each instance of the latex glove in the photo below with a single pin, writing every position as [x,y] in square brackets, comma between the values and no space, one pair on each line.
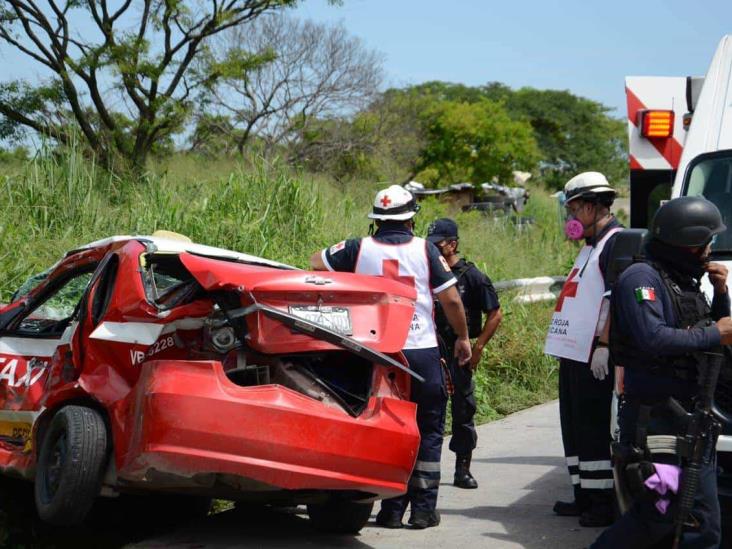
[598,365]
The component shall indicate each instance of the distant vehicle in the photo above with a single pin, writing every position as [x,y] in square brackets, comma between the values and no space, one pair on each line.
[158,366]
[490,198]
[680,134]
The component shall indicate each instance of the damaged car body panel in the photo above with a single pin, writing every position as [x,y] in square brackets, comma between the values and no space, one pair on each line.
[374,306]
[215,373]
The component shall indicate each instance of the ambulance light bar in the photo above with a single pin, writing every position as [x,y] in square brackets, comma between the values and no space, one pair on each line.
[655,124]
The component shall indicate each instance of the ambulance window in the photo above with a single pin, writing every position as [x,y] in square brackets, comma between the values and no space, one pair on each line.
[55,311]
[710,176]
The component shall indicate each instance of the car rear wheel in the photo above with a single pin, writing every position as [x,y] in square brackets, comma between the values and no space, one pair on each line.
[340,517]
[70,465]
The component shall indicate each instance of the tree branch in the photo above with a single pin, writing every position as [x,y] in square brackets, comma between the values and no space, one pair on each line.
[20,118]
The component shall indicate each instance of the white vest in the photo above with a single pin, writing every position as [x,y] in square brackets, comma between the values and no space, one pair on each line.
[577,310]
[407,263]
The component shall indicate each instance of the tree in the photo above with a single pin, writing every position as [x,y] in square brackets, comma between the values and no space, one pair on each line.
[309,71]
[383,141]
[139,55]
[212,135]
[575,134]
[475,142]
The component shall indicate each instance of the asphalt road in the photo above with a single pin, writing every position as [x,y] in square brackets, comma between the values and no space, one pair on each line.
[520,468]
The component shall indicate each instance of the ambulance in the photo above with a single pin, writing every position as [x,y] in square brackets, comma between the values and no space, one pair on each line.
[680,144]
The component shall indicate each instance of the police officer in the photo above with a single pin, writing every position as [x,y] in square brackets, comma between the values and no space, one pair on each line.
[393,251]
[578,337]
[656,307]
[478,297]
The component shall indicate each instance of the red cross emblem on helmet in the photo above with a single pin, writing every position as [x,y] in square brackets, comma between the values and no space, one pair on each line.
[395,203]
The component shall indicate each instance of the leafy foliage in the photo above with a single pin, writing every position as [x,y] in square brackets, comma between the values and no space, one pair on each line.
[441,133]
[99,63]
[474,142]
[574,134]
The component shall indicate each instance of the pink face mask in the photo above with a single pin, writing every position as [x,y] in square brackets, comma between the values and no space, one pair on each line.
[573,229]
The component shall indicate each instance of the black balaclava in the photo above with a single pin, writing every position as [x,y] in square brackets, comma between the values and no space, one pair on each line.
[681,260]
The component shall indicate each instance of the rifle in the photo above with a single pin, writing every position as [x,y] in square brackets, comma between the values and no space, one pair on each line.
[701,429]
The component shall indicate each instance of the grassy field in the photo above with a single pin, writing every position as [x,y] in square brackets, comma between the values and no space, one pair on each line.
[53,204]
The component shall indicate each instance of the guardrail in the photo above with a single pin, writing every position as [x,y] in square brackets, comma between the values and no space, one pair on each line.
[531,290]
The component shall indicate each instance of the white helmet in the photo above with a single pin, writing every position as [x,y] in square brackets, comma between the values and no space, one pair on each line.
[587,186]
[395,203]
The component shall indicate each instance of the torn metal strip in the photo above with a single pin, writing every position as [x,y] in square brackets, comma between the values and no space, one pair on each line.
[319,332]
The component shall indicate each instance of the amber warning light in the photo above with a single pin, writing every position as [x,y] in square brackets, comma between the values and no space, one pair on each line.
[656,124]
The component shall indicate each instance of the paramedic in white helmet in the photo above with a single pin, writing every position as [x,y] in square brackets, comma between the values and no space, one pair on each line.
[578,337]
[394,252]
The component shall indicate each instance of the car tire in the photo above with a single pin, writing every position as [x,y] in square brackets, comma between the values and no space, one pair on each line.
[70,467]
[337,516]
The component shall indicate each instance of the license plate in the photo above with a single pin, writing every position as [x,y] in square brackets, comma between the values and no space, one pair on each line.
[337,319]
[15,430]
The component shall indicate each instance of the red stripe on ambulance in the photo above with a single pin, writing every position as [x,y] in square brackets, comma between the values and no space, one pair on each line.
[667,147]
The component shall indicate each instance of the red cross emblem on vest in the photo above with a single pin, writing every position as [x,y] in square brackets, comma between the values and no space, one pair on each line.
[568,290]
[390,269]
[385,201]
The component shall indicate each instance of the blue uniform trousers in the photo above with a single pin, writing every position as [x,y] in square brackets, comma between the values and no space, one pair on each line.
[462,404]
[463,407]
[431,399]
[643,525]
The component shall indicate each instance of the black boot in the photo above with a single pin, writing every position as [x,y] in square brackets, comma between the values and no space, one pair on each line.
[424,519]
[386,520]
[567,509]
[573,508]
[463,478]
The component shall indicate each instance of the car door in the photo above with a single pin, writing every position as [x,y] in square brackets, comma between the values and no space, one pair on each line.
[28,342]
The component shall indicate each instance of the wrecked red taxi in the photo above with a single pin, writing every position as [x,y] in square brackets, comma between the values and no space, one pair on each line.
[154,365]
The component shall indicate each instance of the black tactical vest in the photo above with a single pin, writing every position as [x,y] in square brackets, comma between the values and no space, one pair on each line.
[473,315]
[691,307]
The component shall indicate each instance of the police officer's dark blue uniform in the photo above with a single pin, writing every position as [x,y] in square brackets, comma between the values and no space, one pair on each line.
[395,238]
[478,296]
[654,345]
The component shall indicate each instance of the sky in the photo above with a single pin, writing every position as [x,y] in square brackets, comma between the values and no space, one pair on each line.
[584,46]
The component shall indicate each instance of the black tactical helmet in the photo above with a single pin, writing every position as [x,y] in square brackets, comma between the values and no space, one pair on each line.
[687,221]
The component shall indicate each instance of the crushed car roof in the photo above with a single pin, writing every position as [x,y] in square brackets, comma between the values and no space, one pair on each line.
[169,245]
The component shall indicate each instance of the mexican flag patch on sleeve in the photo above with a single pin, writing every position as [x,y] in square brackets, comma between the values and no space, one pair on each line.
[645,294]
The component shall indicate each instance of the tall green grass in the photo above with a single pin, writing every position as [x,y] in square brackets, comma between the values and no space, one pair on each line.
[57,202]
